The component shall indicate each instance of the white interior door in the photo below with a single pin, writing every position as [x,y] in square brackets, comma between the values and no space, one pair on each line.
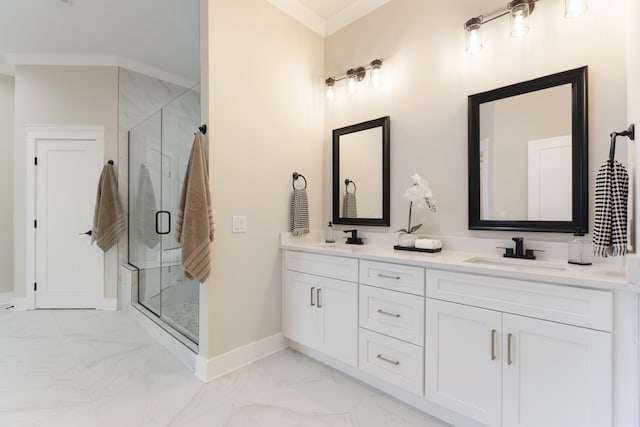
[69,271]
[550,183]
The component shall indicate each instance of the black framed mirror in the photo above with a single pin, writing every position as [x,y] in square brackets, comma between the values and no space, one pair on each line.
[528,155]
[361,173]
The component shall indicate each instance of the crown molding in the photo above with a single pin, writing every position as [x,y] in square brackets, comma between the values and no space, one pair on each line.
[302,14]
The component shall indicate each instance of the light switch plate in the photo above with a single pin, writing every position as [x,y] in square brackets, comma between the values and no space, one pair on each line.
[239,224]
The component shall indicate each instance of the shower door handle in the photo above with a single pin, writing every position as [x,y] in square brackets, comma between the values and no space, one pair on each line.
[158,222]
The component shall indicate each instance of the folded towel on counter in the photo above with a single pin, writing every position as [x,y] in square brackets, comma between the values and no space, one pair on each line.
[349,207]
[194,226]
[299,212]
[610,222]
[428,244]
[108,216]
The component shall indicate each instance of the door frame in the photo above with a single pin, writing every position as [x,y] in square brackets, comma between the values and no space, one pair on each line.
[35,134]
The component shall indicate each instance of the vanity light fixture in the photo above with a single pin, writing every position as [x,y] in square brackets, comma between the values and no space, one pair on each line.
[519,12]
[355,75]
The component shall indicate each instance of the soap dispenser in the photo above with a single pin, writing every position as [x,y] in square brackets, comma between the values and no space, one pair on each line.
[328,234]
[579,249]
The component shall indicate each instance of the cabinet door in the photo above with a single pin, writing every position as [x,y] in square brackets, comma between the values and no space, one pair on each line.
[555,375]
[300,308]
[338,319]
[462,360]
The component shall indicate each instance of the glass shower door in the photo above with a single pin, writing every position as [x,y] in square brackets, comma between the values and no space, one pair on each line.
[180,301]
[159,150]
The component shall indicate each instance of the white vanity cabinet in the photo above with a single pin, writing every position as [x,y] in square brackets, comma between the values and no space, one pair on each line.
[499,351]
[321,304]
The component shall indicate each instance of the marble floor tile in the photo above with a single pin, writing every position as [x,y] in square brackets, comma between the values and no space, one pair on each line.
[98,368]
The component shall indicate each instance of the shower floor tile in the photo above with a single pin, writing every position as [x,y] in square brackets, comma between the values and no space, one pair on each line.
[98,368]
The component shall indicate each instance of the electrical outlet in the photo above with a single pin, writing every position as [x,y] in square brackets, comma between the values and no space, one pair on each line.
[239,224]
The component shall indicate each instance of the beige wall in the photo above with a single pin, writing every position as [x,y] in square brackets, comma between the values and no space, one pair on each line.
[266,119]
[61,95]
[429,76]
[6,183]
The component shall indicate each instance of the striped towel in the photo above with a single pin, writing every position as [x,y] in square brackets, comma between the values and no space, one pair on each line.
[299,212]
[349,206]
[194,226]
[610,223]
[108,216]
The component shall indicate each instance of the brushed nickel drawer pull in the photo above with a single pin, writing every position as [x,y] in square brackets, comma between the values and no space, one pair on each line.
[312,301]
[509,361]
[393,362]
[319,295]
[386,313]
[386,276]
[493,344]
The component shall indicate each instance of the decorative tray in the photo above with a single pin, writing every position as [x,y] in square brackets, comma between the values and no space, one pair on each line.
[412,249]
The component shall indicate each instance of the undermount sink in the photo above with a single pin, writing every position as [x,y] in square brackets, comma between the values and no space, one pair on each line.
[516,262]
[340,247]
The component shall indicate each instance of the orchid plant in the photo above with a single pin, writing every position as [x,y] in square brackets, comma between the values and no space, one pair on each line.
[420,194]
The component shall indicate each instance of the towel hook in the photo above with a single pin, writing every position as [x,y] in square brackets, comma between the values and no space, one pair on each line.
[110,162]
[296,175]
[203,129]
[346,186]
[630,132]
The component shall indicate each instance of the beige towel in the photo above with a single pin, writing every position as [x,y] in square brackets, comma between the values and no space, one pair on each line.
[108,216]
[194,226]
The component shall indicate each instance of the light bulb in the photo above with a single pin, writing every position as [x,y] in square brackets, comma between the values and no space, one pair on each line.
[330,82]
[351,81]
[474,35]
[474,43]
[574,8]
[376,74]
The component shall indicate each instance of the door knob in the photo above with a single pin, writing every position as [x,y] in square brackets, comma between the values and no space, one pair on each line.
[88,233]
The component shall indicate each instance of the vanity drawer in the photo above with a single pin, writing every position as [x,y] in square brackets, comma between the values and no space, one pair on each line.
[392,360]
[322,265]
[391,313]
[396,277]
[575,306]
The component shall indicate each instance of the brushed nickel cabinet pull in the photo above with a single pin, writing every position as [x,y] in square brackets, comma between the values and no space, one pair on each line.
[493,344]
[393,362]
[386,313]
[312,301]
[509,361]
[386,276]
[319,294]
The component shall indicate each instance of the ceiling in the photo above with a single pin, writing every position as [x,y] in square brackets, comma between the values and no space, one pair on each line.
[156,37]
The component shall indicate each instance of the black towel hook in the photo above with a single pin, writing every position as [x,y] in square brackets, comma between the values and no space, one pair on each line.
[630,132]
[346,186]
[296,175]
[110,162]
[203,129]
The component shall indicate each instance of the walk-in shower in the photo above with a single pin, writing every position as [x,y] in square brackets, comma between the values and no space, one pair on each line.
[159,151]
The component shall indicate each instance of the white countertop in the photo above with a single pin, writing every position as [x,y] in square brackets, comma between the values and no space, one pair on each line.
[611,277]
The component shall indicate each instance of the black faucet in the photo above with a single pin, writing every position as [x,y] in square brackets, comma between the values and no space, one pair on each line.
[354,239]
[519,251]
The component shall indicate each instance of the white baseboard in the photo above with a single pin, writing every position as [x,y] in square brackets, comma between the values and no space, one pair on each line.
[209,369]
[5,298]
[21,304]
[107,304]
